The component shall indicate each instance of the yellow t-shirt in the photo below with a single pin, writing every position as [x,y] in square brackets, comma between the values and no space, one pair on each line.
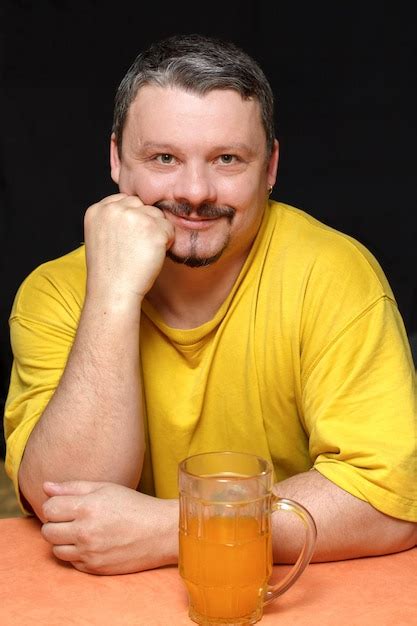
[306,363]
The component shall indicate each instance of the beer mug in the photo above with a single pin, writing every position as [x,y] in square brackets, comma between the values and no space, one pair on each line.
[225,537]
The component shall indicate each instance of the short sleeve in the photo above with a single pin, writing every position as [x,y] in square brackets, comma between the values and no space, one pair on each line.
[43,324]
[359,400]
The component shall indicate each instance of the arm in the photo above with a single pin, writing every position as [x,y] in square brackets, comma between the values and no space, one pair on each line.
[346,526]
[144,529]
[359,411]
[92,427]
[108,528]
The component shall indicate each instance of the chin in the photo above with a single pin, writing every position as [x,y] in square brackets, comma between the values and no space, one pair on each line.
[194,260]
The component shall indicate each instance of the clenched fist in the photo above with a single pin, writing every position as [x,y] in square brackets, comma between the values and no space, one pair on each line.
[126,243]
[104,528]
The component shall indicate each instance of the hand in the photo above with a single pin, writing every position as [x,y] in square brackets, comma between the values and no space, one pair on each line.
[104,528]
[126,243]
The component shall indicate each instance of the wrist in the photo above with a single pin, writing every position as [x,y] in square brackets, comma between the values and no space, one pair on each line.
[113,302]
[171,532]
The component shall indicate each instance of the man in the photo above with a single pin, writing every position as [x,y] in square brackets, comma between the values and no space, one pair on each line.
[200,316]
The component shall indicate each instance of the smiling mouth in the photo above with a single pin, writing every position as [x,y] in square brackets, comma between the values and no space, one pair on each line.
[189,218]
[205,213]
[189,221]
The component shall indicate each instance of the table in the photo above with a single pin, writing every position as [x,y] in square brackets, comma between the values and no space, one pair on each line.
[37,589]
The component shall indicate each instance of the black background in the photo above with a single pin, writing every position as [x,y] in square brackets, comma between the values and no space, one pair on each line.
[344,79]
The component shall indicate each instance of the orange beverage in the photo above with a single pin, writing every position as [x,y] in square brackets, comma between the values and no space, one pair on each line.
[225,561]
[225,558]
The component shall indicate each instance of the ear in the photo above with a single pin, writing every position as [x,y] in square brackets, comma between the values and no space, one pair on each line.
[114,159]
[273,164]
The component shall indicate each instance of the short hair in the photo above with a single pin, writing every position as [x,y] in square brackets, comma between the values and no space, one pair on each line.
[199,64]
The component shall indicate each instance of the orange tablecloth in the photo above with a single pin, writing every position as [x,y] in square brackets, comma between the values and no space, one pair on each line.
[36,589]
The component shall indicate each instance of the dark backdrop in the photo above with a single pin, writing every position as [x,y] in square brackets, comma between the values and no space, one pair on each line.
[345,114]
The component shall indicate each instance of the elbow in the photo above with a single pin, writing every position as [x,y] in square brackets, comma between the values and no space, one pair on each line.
[33,504]
[32,495]
[406,537]
[395,535]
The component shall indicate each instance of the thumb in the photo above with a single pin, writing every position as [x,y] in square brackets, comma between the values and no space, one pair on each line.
[71,487]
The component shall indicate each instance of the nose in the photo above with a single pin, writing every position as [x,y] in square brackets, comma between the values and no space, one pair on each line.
[194,185]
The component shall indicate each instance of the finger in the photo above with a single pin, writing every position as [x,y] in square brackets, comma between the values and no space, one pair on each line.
[165,224]
[66,553]
[82,567]
[133,201]
[71,487]
[170,235]
[124,199]
[61,508]
[58,534]
[113,198]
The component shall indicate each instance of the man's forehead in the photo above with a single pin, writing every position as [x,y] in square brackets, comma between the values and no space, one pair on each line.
[154,95]
[182,117]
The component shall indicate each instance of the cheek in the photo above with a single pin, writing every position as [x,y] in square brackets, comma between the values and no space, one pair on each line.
[245,189]
[125,181]
[248,220]
[249,211]
[134,182]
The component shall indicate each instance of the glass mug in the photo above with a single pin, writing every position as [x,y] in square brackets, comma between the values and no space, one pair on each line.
[225,542]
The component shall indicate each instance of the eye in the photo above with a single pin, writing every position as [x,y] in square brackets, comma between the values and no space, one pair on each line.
[227,158]
[165,159]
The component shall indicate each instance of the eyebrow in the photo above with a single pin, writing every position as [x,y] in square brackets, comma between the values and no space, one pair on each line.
[237,146]
[224,149]
[160,147]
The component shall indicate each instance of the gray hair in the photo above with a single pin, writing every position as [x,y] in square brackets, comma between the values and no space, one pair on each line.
[199,64]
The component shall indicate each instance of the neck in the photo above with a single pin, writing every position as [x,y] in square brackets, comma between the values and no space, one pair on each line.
[188,297]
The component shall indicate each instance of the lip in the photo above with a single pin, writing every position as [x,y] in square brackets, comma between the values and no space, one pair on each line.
[192,223]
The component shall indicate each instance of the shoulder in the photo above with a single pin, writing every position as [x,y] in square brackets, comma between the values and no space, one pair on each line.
[54,285]
[322,256]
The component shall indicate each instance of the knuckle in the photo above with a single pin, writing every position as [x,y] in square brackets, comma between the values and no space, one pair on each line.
[133,216]
[57,551]
[92,563]
[91,211]
[48,508]
[89,216]
[84,535]
[45,531]
[161,240]
[89,569]
[95,563]
[45,509]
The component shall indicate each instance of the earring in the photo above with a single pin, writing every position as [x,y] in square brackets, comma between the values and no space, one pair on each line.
[270,189]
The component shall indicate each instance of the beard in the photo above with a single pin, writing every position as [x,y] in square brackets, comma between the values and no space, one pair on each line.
[205,211]
[193,259]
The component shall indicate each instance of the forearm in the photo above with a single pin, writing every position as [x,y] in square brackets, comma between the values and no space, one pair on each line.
[92,428]
[346,526]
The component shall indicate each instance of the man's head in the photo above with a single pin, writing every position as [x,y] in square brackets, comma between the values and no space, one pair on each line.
[198,64]
[193,136]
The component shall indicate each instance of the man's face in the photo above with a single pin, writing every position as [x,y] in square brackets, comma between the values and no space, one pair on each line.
[202,160]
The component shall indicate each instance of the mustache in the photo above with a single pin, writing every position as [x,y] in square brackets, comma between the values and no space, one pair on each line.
[204,210]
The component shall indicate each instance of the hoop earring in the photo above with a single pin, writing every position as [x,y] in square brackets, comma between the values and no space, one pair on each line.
[270,190]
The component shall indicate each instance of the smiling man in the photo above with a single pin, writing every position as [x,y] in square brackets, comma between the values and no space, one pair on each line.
[214,168]
[198,316]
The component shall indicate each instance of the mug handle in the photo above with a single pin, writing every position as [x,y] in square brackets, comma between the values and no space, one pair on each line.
[284,504]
